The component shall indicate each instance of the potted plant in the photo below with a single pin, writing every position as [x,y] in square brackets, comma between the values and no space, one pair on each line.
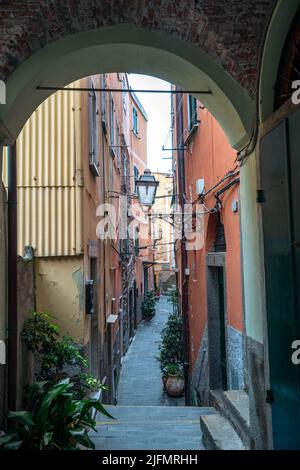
[171,349]
[157,294]
[148,306]
[175,382]
[54,420]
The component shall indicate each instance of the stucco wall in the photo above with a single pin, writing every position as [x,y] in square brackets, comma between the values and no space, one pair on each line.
[60,291]
[2,288]
[26,304]
[211,157]
[251,251]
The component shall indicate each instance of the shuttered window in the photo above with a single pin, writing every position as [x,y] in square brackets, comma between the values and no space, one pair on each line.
[93,131]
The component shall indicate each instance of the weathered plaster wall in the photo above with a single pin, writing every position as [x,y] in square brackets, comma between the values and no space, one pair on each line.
[60,291]
[2,288]
[254,307]
[26,304]
[251,251]
[211,157]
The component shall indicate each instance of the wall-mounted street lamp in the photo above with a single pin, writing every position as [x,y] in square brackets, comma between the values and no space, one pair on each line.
[146,187]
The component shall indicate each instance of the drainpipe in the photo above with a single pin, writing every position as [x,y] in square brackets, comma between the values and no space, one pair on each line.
[184,261]
[12,277]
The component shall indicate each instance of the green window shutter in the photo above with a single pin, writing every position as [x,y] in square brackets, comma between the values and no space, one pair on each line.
[192,112]
[135,120]
[93,130]
[136,175]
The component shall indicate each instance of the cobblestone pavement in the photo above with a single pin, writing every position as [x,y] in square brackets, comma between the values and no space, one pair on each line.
[145,417]
[140,380]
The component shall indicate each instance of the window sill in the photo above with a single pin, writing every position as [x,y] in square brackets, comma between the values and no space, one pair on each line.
[191,133]
[94,169]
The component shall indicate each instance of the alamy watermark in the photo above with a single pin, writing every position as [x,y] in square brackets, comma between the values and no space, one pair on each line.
[121,221]
[296,353]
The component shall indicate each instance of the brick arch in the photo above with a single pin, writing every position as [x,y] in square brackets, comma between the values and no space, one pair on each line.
[226,35]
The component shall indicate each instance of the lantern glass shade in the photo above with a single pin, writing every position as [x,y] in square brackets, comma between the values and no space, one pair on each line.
[146,187]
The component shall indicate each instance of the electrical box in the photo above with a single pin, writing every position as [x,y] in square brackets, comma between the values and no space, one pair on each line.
[199,186]
[89,297]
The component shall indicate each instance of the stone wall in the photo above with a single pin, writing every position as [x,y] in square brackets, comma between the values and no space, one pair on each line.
[229,32]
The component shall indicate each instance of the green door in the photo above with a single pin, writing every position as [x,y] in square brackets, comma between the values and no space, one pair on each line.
[280,180]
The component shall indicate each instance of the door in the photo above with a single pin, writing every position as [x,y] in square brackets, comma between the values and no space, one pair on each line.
[222,322]
[216,320]
[146,281]
[136,294]
[95,336]
[280,181]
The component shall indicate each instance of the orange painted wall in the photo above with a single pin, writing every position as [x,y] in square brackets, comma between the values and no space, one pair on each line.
[210,156]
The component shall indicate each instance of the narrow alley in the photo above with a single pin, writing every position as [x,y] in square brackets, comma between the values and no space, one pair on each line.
[140,378]
[150,225]
[146,418]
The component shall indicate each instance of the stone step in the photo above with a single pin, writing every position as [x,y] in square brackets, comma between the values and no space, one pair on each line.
[149,428]
[234,406]
[236,403]
[219,434]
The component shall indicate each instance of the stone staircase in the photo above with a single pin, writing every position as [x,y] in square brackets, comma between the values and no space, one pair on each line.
[229,428]
[150,428]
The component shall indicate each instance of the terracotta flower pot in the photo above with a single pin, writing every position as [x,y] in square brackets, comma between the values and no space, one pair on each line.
[175,386]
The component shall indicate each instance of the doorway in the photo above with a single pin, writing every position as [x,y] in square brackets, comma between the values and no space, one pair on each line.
[95,356]
[280,171]
[216,303]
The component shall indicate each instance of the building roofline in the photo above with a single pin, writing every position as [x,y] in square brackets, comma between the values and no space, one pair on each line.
[139,104]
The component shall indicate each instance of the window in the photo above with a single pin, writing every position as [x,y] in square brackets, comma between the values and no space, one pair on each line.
[112,124]
[124,94]
[103,165]
[135,121]
[137,241]
[118,149]
[125,168]
[135,177]
[93,131]
[103,104]
[192,112]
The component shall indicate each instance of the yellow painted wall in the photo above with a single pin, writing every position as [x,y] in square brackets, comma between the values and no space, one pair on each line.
[66,303]
[49,168]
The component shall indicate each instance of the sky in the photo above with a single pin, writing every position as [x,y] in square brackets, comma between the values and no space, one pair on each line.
[157,106]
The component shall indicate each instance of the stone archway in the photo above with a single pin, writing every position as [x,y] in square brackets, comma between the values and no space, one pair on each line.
[196,45]
[193,44]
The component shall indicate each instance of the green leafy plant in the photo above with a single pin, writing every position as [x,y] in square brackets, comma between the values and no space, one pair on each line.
[55,355]
[173,297]
[172,348]
[148,305]
[55,420]
[174,369]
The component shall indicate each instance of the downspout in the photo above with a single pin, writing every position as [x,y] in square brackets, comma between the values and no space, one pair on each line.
[184,261]
[12,277]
